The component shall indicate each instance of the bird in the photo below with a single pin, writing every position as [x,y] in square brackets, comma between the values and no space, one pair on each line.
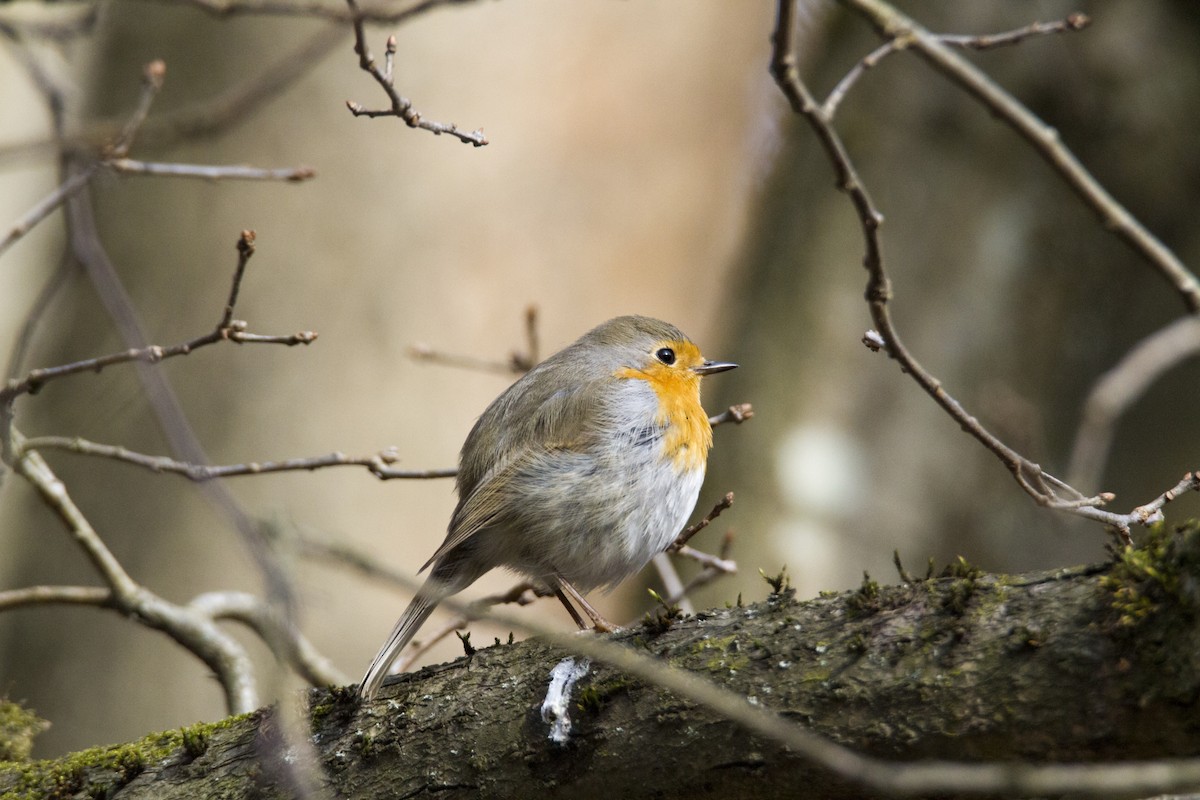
[577,475]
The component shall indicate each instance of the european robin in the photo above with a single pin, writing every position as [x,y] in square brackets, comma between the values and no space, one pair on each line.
[577,475]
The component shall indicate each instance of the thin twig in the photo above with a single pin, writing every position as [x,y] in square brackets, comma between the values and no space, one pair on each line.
[47,205]
[737,414]
[205,118]
[228,330]
[691,530]
[378,464]
[52,595]
[518,362]
[423,352]
[152,82]
[255,614]
[522,594]
[870,61]
[400,106]
[1071,23]
[1045,489]
[892,24]
[197,633]
[714,567]
[530,358]
[291,8]
[129,166]
[1119,388]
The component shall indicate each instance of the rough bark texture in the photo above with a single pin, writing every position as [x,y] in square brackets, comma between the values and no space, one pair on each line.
[1091,663]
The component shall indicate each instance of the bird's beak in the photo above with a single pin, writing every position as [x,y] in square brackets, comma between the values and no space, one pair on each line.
[712,367]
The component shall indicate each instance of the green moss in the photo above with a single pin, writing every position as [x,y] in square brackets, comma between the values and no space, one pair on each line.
[961,568]
[1164,570]
[101,771]
[593,696]
[663,616]
[864,601]
[325,702]
[18,728]
[721,654]
[780,584]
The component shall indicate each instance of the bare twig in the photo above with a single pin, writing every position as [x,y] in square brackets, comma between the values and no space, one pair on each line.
[52,595]
[719,564]
[867,62]
[530,358]
[518,362]
[205,118]
[1071,23]
[378,464]
[400,106]
[384,13]
[423,352]
[47,205]
[691,530]
[714,567]
[197,633]
[895,26]
[737,414]
[152,82]
[1120,387]
[1045,489]
[352,558]
[255,614]
[672,584]
[522,594]
[129,166]
[228,330]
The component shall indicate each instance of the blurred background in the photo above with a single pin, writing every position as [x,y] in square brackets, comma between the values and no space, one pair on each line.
[641,161]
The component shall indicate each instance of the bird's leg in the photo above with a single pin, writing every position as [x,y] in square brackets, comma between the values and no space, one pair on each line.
[598,622]
[562,598]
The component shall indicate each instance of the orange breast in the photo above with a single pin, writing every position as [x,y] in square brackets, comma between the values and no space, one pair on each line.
[688,436]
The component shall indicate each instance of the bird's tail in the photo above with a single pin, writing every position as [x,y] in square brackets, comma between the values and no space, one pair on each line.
[406,627]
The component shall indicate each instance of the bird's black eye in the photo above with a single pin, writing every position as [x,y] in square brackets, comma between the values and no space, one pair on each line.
[666,355]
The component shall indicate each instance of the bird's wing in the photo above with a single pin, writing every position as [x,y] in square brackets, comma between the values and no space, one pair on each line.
[561,426]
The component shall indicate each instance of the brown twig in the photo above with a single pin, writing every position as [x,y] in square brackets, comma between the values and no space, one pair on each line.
[400,106]
[153,75]
[47,205]
[1073,22]
[228,330]
[292,8]
[737,414]
[423,352]
[129,166]
[378,464]
[205,118]
[691,530]
[893,25]
[1116,390]
[521,594]
[518,363]
[255,614]
[1044,488]
[1069,24]
[194,631]
[714,567]
[60,595]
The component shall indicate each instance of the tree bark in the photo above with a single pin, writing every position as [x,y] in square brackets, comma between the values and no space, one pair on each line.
[1094,663]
